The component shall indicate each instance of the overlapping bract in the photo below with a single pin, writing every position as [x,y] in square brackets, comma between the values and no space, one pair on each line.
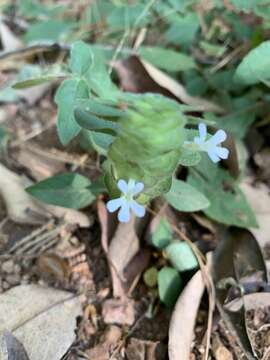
[147,147]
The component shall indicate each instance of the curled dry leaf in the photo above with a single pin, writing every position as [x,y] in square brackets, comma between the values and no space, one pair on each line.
[137,75]
[23,208]
[138,349]
[119,311]
[259,199]
[43,319]
[184,317]
[123,247]
[105,348]
[220,351]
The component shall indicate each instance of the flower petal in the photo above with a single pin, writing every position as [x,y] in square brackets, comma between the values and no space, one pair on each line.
[138,188]
[222,152]
[213,156]
[138,209]
[131,185]
[114,204]
[202,131]
[124,213]
[122,186]
[218,138]
[197,140]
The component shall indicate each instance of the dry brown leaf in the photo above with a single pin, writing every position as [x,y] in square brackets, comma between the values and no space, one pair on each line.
[118,311]
[252,301]
[184,318]
[107,229]
[39,166]
[259,200]
[23,208]
[138,349]
[33,94]
[105,348]
[137,75]
[43,319]
[220,351]
[179,91]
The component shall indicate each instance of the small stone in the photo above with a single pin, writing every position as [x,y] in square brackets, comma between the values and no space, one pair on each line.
[17,269]
[13,279]
[8,266]
[5,285]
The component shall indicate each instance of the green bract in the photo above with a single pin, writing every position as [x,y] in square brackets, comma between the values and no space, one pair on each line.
[147,146]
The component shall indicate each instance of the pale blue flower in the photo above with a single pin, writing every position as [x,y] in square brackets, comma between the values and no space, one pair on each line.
[212,146]
[126,201]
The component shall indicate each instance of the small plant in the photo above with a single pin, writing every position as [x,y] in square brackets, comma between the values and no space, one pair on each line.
[142,138]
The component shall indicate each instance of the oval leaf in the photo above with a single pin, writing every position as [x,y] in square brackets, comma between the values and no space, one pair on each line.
[66,190]
[184,197]
[169,285]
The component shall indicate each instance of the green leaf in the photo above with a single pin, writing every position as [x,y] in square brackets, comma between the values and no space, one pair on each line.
[34,9]
[67,190]
[81,58]
[169,285]
[150,277]
[48,30]
[189,157]
[100,108]
[162,236]
[86,115]
[8,95]
[126,16]
[181,256]
[98,78]
[97,141]
[167,59]
[228,204]
[255,67]
[32,75]
[92,122]
[183,29]
[66,96]
[184,197]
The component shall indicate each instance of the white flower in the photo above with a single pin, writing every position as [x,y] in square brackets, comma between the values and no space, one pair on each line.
[126,203]
[212,146]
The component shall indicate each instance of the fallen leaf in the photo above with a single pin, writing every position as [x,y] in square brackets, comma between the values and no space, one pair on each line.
[220,351]
[8,39]
[184,318]
[138,349]
[34,94]
[237,259]
[118,311]
[23,208]
[137,75]
[43,319]
[252,301]
[107,229]
[179,91]
[38,165]
[11,348]
[104,349]
[259,199]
